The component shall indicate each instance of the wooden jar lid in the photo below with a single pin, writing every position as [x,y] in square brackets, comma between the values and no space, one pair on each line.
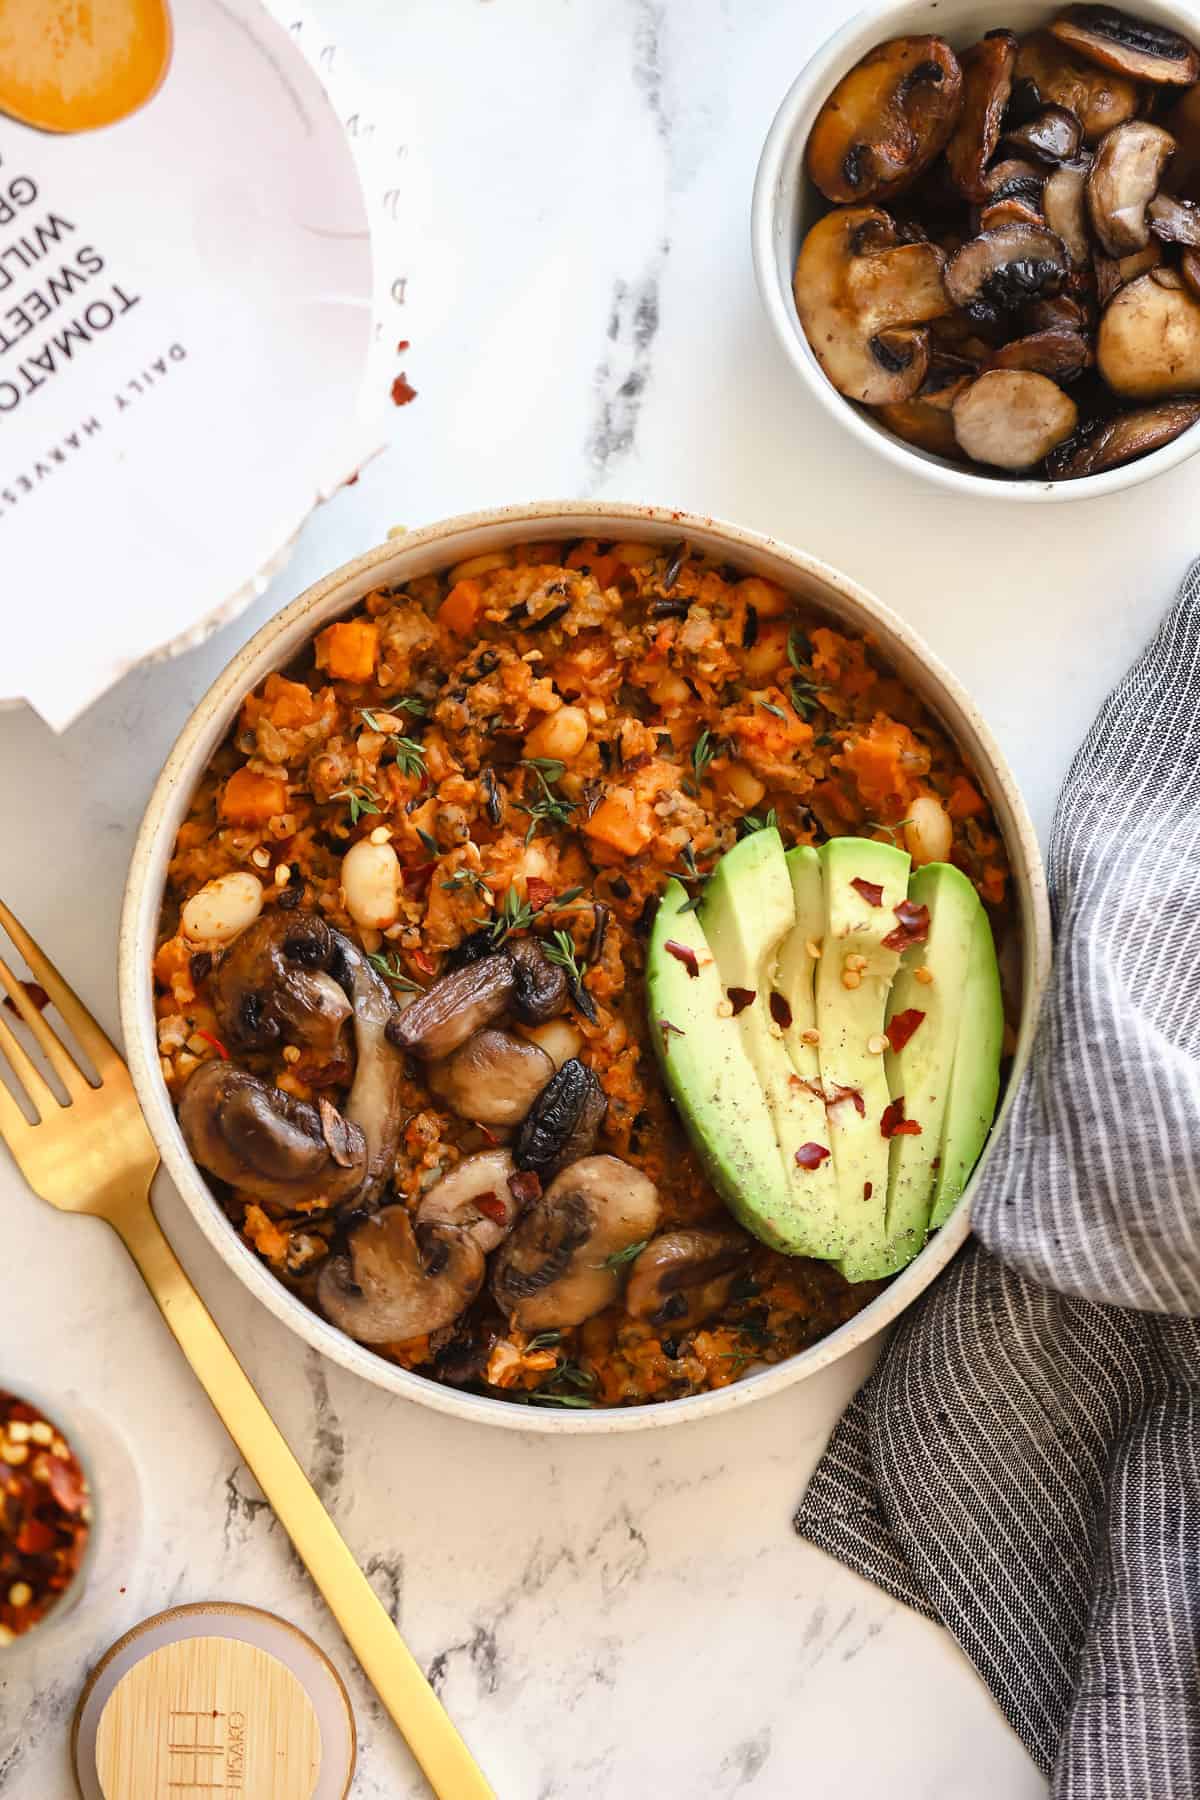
[211,1700]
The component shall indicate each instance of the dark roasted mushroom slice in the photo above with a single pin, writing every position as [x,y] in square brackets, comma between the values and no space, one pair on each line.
[998,213]
[540,988]
[926,427]
[1112,274]
[987,73]
[494,1078]
[563,1122]
[1052,136]
[1053,76]
[1123,439]
[1015,179]
[1001,270]
[477,1196]
[1148,345]
[396,1283]
[1123,180]
[861,297]
[1060,354]
[277,982]
[561,1264]
[1183,123]
[374,1100]
[1175,221]
[1012,419]
[684,1277]
[455,1007]
[885,121]
[1064,204]
[1189,269]
[266,1143]
[1134,47]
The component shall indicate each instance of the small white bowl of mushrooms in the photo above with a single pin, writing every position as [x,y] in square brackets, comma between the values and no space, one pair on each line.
[976,233]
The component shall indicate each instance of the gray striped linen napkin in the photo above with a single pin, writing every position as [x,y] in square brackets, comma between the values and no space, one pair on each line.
[1024,1464]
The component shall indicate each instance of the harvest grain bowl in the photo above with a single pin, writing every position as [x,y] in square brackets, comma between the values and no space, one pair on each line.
[699,665]
[1050,245]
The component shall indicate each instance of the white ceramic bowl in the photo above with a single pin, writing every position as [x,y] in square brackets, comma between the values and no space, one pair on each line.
[786,204]
[436,547]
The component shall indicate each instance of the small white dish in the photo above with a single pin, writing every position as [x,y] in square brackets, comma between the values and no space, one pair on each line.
[786,205]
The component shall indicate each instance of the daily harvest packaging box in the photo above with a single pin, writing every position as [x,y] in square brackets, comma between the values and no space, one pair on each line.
[185,316]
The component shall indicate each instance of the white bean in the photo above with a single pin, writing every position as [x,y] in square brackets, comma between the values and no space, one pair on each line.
[371,884]
[560,735]
[557,1037]
[222,908]
[929,832]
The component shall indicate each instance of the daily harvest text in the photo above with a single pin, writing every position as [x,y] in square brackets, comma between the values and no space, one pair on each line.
[46,275]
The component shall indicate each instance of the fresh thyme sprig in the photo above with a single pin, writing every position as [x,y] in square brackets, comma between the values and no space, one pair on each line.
[549,808]
[389,968]
[561,950]
[361,800]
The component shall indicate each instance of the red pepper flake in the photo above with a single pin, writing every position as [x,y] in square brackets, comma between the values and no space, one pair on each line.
[37,994]
[739,999]
[811,1156]
[781,1012]
[43,1527]
[216,1043]
[901,1029]
[871,891]
[912,927]
[868,1189]
[492,1207]
[835,1095]
[894,1124]
[538,892]
[402,391]
[525,1186]
[682,953]
[666,1027]
[402,346]
[421,961]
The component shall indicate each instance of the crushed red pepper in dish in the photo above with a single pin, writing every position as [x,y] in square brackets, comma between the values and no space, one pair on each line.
[45,1516]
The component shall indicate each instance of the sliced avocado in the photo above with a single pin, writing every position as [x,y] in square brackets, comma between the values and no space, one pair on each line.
[709,1075]
[796,976]
[746,913]
[864,883]
[975,1078]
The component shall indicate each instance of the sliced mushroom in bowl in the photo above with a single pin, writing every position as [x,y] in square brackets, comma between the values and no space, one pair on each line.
[1075,147]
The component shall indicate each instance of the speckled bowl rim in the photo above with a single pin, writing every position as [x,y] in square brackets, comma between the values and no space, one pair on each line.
[438,546]
[774,247]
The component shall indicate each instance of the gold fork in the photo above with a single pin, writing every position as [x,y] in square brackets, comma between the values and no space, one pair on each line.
[95,1155]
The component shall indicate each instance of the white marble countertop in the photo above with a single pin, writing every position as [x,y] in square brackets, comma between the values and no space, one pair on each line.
[608,1617]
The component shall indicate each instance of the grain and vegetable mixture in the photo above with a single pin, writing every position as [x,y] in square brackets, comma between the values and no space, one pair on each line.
[400,994]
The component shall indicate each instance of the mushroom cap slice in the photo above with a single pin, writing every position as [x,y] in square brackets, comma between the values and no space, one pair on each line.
[1123,180]
[885,121]
[1133,47]
[556,1268]
[926,427]
[861,295]
[477,1197]
[683,1277]
[1002,269]
[454,1007]
[277,981]
[266,1143]
[1183,123]
[1113,273]
[987,75]
[1124,438]
[1099,98]
[1060,353]
[374,1101]
[563,1121]
[1052,136]
[1011,418]
[1189,269]
[1064,204]
[397,1283]
[1175,221]
[540,987]
[494,1078]
[1148,344]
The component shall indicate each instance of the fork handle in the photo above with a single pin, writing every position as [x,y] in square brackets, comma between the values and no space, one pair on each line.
[386,1660]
